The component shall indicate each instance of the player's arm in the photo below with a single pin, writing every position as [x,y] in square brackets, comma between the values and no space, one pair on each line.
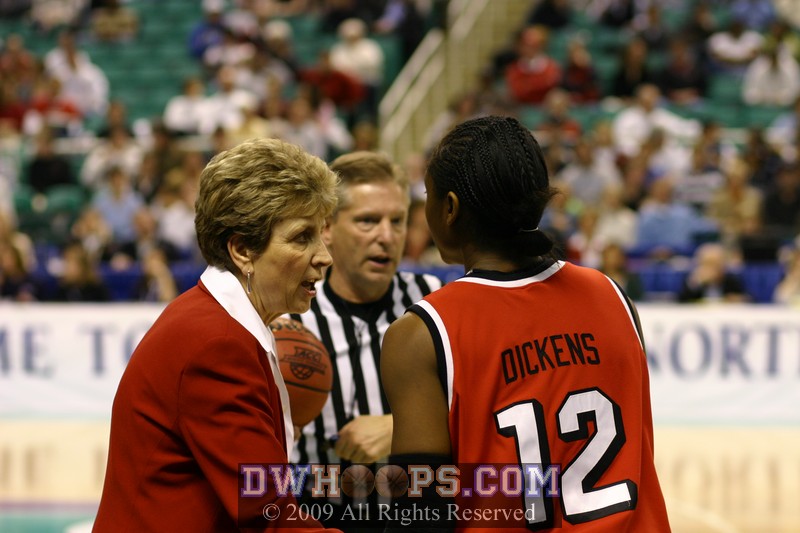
[419,407]
[411,382]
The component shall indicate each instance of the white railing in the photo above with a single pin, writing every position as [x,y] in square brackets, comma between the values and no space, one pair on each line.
[444,65]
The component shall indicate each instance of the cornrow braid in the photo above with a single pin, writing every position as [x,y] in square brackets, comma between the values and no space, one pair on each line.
[496,168]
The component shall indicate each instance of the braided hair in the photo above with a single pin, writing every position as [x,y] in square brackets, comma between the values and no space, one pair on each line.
[497,169]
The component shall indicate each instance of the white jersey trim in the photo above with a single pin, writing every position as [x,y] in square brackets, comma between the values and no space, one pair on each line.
[448,352]
[627,308]
[510,284]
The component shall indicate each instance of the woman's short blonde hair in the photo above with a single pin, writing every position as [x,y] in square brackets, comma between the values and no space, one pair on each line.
[248,189]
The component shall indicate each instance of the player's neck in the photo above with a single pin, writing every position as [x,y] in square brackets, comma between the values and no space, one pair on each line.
[482,260]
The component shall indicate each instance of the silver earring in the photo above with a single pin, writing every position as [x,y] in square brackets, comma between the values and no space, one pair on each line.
[249,287]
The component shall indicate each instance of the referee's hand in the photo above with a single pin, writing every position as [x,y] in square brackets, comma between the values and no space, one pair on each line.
[365,439]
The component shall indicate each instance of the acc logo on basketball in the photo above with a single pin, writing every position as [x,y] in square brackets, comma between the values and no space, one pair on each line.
[304,362]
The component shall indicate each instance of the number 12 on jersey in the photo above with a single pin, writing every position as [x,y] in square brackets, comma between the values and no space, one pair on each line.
[581,500]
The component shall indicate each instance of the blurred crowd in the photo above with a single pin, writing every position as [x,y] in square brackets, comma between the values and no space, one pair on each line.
[654,177]
[661,172]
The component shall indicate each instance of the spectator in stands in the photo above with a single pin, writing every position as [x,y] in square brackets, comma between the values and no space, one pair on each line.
[343,89]
[731,50]
[584,246]
[666,227]
[651,28]
[613,13]
[781,34]
[414,167]
[118,202]
[157,283]
[115,116]
[534,73]
[82,82]
[697,186]
[617,222]
[17,62]
[113,22]
[763,158]
[223,108]
[252,126]
[356,54]
[10,232]
[119,150]
[711,278]
[553,14]
[245,18]
[17,282]
[579,77]
[560,218]
[602,136]
[78,277]
[49,110]
[47,168]
[264,74]
[50,15]
[163,155]
[736,208]
[12,107]
[366,136]
[683,80]
[285,8]
[700,25]
[315,129]
[787,292]
[419,249]
[614,264]
[556,121]
[632,69]
[92,231]
[209,31]
[173,208]
[772,79]
[586,176]
[122,254]
[278,40]
[664,156]
[782,204]
[635,124]
[230,51]
[403,20]
[756,14]
[183,111]
[56,59]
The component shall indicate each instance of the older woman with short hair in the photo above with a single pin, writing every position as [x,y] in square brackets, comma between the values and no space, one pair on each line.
[203,392]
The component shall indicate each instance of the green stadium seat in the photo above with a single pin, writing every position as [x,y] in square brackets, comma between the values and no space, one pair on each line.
[66,198]
[725,89]
[762,116]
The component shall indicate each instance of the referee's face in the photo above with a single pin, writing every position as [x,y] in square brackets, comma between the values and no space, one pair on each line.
[366,240]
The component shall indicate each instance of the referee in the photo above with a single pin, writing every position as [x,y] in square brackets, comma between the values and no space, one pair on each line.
[362,294]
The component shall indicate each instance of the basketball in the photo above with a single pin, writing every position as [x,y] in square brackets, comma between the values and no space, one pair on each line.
[306,368]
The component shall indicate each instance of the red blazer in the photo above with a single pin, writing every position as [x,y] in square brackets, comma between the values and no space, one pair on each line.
[196,399]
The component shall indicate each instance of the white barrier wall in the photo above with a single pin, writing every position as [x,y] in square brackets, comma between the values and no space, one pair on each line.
[720,364]
[725,387]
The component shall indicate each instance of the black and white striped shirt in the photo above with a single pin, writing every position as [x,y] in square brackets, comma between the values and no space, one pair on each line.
[353,334]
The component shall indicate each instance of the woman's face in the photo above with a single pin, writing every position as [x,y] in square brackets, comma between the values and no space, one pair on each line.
[284,275]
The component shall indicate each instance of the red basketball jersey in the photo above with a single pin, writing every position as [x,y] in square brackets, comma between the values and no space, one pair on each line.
[546,369]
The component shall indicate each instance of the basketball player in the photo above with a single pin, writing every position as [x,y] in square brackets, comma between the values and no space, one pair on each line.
[526,360]
[362,294]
